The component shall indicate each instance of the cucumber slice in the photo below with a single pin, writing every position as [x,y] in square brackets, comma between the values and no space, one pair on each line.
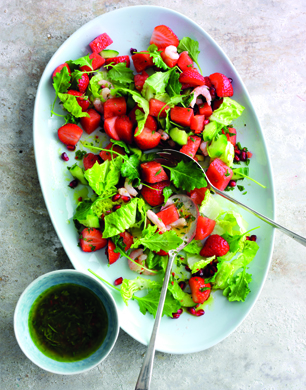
[209,131]
[108,53]
[217,147]
[179,136]
[78,173]
[91,221]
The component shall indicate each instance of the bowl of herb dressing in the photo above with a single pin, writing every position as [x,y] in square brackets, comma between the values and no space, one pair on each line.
[66,322]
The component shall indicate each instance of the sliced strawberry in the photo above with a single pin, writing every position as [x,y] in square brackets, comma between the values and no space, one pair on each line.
[124,129]
[231,135]
[83,83]
[127,239]
[147,139]
[92,122]
[163,36]
[97,62]
[111,255]
[181,115]
[91,240]
[69,134]
[114,107]
[90,159]
[187,85]
[198,194]
[151,123]
[200,290]
[100,43]
[59,68]
[205,227]
[110,127]
[154,195]
[109,156]
[205,109]
[208,82]
[140,79]
[197,124]
[185,62]
[142,61]
[155,107]
[118,60]
[192,77]
[219,174]
[215,245]
[84,104]
[192,146]
[169,215]
[215,104]
[153,172]
[169,61]
[222,84]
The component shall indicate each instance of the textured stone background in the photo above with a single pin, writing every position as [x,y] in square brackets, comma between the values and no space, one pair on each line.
[266,42]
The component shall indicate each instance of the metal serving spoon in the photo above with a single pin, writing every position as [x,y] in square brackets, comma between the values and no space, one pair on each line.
[144,379]
[174,157]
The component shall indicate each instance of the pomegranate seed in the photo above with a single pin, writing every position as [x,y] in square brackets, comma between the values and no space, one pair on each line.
[116,197]
[237,151]
[117,207]
[199,313]
[182,285]
[180,311]
[125,198]
[108,212]
[199,273]
[243,156]
[64,156]
[187,268]
[118,281]
[71,147]
[253,237]
[175,315]
[133,51]
[97,136]
[236,158]
[212,93]
[73,183]
[232,183]
[192,310]
[80,199]
[230,79]
[206,121]
[248,238]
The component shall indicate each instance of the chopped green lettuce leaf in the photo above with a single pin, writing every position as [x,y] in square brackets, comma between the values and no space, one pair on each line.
[156,57]
[227,112]
[120,74]
[103,178]
[129,287]
[194,247]
[237,288]
[71,104]
[210,208]
[197,262]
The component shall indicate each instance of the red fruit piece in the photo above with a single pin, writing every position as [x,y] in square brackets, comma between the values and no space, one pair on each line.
[198,194]
[147,139]
[169,214]
[118,60]
[84,104]
[132,114]
[92,122]
[205,109]
[142,61]
[200,290]
[100,43]
[140,79]
[231,135]
[59,68]
[192,77]
[151,123]
[114,107]
[185,62]
[109,156]
[219,174]
[197,123]
[90,159]
[163,36]
[192,146]
[205,226]
[124,129]
[215,245]
[181,115]
[110,127]
[69,134]
[83,83]
[186,85]
[216,104]
[155,107]
[97,62]
[222,85]
[127,239]
[169,61]
[111,255]
[91,240]
[153,172]
[154,196]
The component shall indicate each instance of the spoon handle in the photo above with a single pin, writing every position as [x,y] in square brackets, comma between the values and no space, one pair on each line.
[290,233]
[144,378]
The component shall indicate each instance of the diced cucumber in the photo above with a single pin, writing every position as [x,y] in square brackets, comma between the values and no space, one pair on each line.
[179,136]
[91,221]
[78,173]
[217,147]
[210,130]
[228,155]
[108,53]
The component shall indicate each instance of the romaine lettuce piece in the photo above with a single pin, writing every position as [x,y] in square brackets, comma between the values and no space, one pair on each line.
[227,112]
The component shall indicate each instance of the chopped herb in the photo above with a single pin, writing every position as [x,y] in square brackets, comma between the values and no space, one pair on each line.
[158,172]
[240,188]
[227,173]
[80,154]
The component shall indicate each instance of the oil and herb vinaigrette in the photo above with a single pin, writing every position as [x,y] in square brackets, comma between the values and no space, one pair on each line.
[68,322]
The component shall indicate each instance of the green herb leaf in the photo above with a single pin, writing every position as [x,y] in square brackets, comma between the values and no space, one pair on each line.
[119,73]
[156,57]
[150,303]
[237,289]
[158,81]
[71,104]
[103,178]
[155,241]
[61,81]
[129,168]
[174,87]
[84,61]
[167,192]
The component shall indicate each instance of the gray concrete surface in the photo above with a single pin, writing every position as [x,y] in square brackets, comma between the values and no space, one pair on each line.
[266,42]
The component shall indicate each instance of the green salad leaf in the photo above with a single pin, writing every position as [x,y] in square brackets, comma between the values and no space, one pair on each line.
[227,112]
[192,46]
[150,303]
[83,61]
[103,178]
[119,73]
[130,287]
[61,81]
[237,289]
[71,104]
[156,57]
[174,87]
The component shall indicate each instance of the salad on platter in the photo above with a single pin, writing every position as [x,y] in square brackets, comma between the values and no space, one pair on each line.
[130,208]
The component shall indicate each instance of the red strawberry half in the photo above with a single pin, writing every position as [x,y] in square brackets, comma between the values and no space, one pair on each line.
[192,77]
[83,83]
[199,289]
[154,195]
[69,134]
[163,36]
[222,85]
[111,255]
[215,245]
[59,68]
[90,159]
[91,240]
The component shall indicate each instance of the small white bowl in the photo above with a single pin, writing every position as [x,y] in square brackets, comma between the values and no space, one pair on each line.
[21,320]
